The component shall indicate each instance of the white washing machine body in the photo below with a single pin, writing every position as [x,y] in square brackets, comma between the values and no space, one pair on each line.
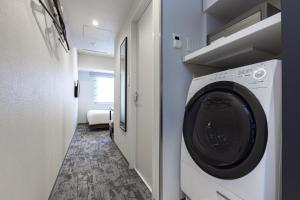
[264,181]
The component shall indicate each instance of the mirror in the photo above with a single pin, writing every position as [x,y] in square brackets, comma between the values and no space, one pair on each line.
[123,85]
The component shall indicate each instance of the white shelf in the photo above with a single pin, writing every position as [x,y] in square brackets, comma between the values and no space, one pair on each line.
[259,42]
[228,9]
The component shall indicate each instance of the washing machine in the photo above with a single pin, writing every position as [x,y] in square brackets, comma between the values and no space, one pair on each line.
[231,143]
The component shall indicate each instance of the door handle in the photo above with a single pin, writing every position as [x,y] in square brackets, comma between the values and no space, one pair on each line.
[136,97]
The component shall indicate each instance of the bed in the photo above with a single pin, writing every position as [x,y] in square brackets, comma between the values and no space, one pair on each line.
[99,118]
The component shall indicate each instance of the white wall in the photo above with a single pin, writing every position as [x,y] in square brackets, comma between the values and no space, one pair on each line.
[38,112]
[86,97]
[127,142]
[122,139]
[91,62]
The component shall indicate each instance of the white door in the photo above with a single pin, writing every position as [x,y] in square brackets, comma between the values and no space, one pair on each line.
[145,67]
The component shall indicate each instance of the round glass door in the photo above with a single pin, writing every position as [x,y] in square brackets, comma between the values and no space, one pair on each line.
[225,130]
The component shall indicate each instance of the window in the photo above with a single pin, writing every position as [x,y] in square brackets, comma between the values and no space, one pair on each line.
[103,89]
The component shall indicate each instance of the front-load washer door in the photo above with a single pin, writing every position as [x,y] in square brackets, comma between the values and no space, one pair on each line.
[225,130]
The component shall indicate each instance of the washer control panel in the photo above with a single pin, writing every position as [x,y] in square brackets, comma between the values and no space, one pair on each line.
[257,74]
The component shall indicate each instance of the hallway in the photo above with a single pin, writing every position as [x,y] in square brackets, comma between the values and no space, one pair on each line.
[95,169]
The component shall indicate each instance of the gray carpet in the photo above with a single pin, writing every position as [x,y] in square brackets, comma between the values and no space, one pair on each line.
[94,169]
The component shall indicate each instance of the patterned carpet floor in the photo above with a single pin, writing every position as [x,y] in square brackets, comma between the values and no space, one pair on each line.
[94,169]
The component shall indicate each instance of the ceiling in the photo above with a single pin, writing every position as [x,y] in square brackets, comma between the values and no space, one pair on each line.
[110,15]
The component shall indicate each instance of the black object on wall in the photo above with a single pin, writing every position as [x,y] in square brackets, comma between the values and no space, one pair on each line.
[291,99]
[76,89]
[123,85]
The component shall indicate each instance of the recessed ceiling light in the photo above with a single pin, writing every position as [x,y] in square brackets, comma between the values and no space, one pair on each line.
[95,23]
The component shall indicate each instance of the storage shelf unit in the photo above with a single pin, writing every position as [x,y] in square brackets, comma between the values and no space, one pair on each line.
[259,42]
[228,9]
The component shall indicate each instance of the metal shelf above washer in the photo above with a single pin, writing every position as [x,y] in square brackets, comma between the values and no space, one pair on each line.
[259,42]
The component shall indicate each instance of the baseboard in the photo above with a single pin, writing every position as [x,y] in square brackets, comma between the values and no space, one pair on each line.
[143,179]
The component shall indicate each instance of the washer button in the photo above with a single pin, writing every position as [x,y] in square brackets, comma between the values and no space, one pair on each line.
[259,74]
